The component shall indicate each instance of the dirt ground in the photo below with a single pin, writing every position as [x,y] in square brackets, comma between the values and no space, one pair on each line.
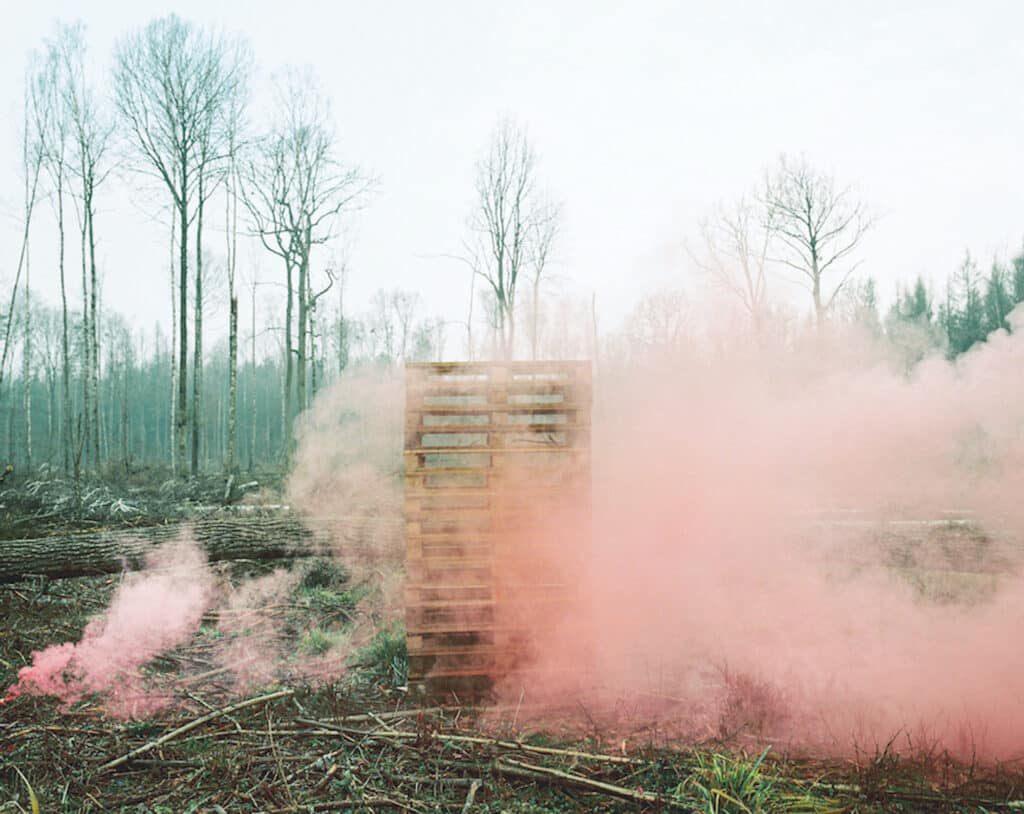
[359,743]
[347,736]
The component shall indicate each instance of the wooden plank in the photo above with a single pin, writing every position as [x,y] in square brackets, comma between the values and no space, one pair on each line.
[489,448]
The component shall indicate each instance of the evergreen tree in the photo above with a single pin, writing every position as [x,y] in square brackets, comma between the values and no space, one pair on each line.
[998,301]
[964,311]
[1017,287]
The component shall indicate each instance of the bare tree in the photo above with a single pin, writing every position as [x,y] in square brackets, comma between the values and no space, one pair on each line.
[295,192]
[511,226]
[231,237]
[404,305]
[341,333]
[381,326]
[545,229]
[173,86]
[90,133]
[54,137]
[817,227]
[37,113]
[657,325]
[736,242]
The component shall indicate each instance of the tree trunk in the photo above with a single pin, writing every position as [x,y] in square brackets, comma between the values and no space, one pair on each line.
[93,319]
[87,361]
[26,366]
[182,408]
[125,423]
[232,246]
[197,359]
[536,306]
[232,376]
[51,397]
[252,384]
[104,552]
[342,326]
[173,433]
[303,333]
[286,418]
[64,344]
[314,361]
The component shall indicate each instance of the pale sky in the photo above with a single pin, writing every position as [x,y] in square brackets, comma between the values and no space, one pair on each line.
[644,114]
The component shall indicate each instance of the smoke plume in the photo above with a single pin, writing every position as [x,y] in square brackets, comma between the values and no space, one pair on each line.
[152,611]
[805,546]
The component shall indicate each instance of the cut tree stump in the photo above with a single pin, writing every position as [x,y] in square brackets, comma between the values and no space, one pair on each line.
[104,552]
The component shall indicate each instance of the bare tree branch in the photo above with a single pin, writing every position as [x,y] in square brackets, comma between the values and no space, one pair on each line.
[817,226]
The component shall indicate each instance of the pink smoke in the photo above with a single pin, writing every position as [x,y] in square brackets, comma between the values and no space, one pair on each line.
[152,611]
[716,561]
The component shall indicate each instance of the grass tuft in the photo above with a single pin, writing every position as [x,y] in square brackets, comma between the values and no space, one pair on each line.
[721,784]
[316,642]
[386,659]
[32,800]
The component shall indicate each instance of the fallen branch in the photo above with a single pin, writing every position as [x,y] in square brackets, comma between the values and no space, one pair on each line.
[514,767]
[474,787]
[513,746]
[181,730]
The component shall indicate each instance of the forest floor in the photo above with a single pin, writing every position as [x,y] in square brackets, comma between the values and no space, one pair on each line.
[350,737]
[359,743]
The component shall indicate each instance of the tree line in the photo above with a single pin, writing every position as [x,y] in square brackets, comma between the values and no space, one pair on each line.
[82,389]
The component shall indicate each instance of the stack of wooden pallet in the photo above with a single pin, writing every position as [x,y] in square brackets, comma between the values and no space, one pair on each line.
[497,472]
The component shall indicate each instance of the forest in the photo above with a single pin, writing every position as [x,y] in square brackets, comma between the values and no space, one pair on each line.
[744,540]
[87,390]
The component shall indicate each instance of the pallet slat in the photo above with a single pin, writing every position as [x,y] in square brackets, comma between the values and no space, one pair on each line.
[489,448]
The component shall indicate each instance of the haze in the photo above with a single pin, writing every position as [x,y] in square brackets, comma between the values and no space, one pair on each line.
[643,116]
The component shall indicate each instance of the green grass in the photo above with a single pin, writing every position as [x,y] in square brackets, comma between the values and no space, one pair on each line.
[385,658]
[316,642]
[720,784]
[329,600]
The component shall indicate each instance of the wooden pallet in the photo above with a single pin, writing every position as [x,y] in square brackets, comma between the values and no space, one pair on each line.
[492,450]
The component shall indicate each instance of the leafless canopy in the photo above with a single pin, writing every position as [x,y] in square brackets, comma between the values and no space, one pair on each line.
[176,88]
[295,190]
[735,255]
[512,226]
[817,225]
[173,85]
[296,185]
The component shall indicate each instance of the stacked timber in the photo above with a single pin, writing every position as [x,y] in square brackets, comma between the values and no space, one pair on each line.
[497,474]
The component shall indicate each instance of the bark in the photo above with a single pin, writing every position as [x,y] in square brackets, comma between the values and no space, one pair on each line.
[65,345]
[174,364]
[197,359]
[286,428]
[252,386]
[182,408]
[303,334]
[87,349]
[536,308]
[51,410]
[125,420]
[231,221]
[93,317]
[26,364]
[105,552]
[232,377]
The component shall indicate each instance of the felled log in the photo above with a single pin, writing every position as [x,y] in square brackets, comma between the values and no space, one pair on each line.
[100,552]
